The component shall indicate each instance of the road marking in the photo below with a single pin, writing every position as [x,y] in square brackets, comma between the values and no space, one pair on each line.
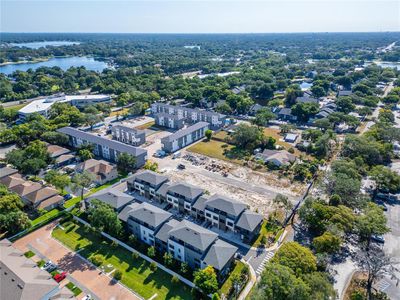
[152,297]
[383,285]
[261,267]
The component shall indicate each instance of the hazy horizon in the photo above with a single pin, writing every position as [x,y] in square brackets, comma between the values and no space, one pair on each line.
[200,17]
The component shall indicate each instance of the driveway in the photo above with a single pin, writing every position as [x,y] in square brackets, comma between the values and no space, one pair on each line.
[78,268]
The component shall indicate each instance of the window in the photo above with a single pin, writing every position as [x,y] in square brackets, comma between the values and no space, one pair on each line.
[215,218]
[208,215]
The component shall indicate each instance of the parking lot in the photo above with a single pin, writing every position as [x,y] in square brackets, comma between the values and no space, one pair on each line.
[78,269]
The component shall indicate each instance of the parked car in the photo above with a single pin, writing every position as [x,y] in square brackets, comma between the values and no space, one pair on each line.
[381,204]
[67,197]
[47,265]
[378,238]
[176,155]
[181,167]
[87,297]
[60,277]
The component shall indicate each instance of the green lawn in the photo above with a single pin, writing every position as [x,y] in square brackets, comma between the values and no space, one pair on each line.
[50,214]
[214,148]
[29,254]
[228,283]
[136,272]
[73,288]
[267,230]
[16,107]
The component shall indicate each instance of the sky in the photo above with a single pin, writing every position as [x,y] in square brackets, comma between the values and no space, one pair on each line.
[197,16]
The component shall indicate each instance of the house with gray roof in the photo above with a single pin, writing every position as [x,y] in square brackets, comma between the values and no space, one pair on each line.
[220,255]
[143,220]
[21,278]
[169,121]
[249,225]
[6,171]
[128,135]
[113,196]
[285,114]
[182,196]
[223,212]
[146,183]
[103,147]
[184,137]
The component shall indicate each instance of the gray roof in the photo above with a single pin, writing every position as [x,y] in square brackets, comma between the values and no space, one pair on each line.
[249,220]
[186,190]
[127,129]
[6,171]
[112,196]
[345,93]
[146,213]
[200,203]
[285,111]
[21,278]
[230,206]
[92,138]
[163,189]
[163,233]
[184,132]
[194,235]
[219,254]
[150,177]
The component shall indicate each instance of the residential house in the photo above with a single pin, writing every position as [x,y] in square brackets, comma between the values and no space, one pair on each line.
[103,171]
[6,171]
[56,151]
[249,225]
[169,121]
[64,160]
[45,198]
[103,147]
[146,183]
[255,108]
[276,157]
[285,114]
[344,93]
[223,212]
[114,196]
[143,220]
[182,196]
[184,137]
[128,135]
[22,279]
[291,137]
[306,99]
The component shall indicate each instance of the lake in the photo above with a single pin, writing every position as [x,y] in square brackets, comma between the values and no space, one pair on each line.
[63,62]
[37,45]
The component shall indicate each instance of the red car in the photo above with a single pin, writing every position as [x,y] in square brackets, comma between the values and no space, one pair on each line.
[60,277]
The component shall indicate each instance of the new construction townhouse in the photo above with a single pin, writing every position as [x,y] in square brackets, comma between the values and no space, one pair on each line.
[128,135]
[104,147]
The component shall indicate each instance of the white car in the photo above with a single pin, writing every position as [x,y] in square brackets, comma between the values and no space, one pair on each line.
[87,297]
[47,265]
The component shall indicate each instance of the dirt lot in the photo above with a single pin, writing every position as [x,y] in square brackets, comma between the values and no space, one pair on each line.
[254,188]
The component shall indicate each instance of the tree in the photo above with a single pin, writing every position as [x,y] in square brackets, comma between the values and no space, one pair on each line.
[168,259]
[346,187]
[85,154]
[284,203]
[152,166]
[117,275]
[206,280]
[345,104]
[320,286]
[57,179]
[136,109]
[292,92]
[14,222]
[10,202]
[56,138]
[318,91]
[328,242]
[303,111]
[376,265]
[386,179]
[126,163]
[371,222]
[151,252]
[92,119]
[208,134]
[298,258]
[263,116]
[82,181]
[103,217]
[246,136]
[278,282]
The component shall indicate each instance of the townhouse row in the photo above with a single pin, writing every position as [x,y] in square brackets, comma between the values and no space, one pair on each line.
[221,212]
[176,116]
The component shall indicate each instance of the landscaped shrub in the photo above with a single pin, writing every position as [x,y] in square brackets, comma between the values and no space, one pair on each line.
[153,266]
[97,259]
[175,280]
[117,275]
[29,254]
[114,244]
[135,255]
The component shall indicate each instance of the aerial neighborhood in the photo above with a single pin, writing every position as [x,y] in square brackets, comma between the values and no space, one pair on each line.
[200,167]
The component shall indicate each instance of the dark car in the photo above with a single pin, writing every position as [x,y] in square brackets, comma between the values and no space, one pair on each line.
[378,238]
[67,197]
[181,167]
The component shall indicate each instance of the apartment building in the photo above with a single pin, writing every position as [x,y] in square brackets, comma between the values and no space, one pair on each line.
[103,147]
[182,196]
[184,137]
[128,135]
[191,115]
[169,121]
[146,183]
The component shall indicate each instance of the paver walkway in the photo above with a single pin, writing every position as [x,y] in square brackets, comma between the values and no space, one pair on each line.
[78,268]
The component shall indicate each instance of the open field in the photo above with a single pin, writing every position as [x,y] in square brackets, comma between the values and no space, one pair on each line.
[214,149]
[145,126]
[119,112]
[136,272]
[16,107]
